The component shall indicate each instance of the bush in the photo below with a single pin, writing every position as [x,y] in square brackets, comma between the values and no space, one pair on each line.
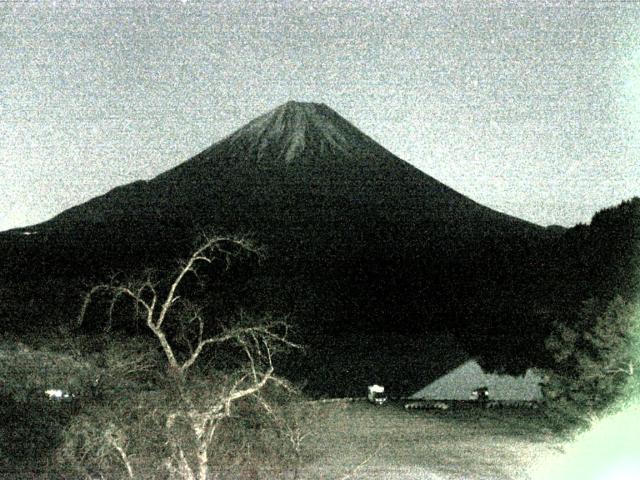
[594,359]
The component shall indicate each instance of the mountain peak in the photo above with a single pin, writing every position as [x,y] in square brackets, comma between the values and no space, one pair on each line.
[293,128]
[296,105]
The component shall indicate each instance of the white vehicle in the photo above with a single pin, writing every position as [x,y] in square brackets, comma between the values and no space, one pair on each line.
[59,395]
[376,394]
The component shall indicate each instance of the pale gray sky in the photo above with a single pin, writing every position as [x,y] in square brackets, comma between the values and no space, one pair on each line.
[531,108]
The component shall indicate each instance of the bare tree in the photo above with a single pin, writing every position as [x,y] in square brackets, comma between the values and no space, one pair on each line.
[191,422]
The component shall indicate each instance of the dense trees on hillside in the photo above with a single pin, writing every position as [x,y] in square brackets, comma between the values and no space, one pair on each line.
[498,295]
[593,342]
[603,259]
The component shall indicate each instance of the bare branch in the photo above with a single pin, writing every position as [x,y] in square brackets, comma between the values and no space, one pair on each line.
[237,334]
[87,301]
[205,254]
[628,369]
[352,473]
[114,439]
[252,363]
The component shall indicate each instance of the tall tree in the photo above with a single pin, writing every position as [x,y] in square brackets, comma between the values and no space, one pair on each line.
[593,358]
[187,410]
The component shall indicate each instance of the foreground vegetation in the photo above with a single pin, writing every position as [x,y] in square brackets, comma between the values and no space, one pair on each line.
[356,440]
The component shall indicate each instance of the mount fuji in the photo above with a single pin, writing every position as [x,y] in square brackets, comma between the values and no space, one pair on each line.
[362,246]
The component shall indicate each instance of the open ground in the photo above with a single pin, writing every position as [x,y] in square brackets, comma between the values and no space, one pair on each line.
[358,440]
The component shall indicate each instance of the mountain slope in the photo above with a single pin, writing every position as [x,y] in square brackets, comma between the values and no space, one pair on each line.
[359,241]
[296,148]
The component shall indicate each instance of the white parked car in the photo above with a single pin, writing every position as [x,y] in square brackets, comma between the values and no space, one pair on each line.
[376,394]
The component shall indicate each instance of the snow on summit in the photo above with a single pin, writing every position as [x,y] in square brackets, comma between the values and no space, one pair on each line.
[293,128]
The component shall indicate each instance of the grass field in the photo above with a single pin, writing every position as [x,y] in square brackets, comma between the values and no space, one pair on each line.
[358,440]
